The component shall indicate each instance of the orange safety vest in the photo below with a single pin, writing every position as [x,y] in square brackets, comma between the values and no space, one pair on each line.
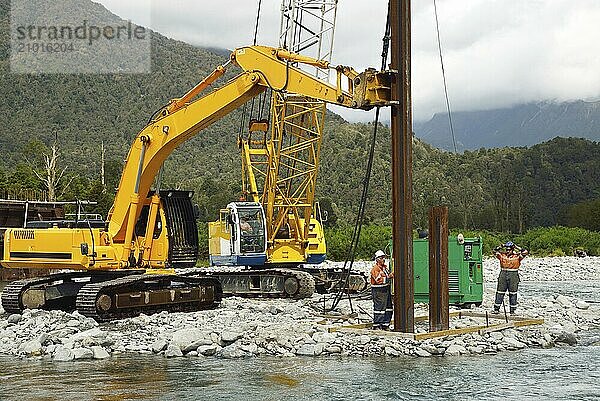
[510,261]
[380,276]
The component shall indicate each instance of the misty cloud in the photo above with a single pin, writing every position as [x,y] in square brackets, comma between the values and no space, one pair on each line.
[497,53]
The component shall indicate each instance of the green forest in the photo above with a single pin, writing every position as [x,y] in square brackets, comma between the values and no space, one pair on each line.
[86,123]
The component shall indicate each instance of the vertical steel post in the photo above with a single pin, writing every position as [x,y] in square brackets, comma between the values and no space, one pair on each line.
[401,131]
[438,269]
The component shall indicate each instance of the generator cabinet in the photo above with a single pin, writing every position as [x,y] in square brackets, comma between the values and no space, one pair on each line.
[465,271]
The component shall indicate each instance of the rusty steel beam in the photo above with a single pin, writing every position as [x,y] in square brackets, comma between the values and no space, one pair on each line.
[439,318]
[401,131]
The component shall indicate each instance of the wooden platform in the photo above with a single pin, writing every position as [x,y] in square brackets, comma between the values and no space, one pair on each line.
[500,323]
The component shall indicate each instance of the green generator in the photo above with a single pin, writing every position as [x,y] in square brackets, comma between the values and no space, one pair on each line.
[465,271]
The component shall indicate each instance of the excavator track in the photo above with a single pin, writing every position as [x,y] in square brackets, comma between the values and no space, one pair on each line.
[33,292]
[113,295]
[148,293]
[261,283]
[331,279]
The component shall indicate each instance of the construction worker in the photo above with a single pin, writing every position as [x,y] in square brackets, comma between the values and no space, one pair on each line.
[510,257]
[381,291]
[245,227]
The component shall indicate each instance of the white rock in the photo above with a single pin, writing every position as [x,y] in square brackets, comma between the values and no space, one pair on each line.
[190,339]
[582,305]
[321,337]
[63,354]
[173,350]
[478,349]
[158,345]
[319,347]
[31,348]
[455,350]
[83,353]
[513,343]
[422,353]
[99,352]
[207,349]
[14,318]
[306,350]
[391,351]
[364,339]
[334,349]
[89,337]
[233,351]
[231,336]
[563,300]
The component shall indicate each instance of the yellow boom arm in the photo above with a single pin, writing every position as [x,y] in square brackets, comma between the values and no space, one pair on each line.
[263,67]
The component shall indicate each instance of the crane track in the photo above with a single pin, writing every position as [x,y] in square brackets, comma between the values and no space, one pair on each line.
[261,283]
[330,279]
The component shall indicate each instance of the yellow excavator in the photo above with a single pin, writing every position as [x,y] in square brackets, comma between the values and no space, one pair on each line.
[126,265]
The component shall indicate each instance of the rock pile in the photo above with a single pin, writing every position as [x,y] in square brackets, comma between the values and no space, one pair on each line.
[286,328]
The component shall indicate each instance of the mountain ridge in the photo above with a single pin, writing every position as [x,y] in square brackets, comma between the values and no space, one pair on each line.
[520,125]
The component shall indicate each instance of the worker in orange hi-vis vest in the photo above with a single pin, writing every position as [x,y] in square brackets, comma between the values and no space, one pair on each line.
[381,291]
[510,257]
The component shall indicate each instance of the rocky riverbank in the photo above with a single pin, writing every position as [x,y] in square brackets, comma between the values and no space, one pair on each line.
[286,328]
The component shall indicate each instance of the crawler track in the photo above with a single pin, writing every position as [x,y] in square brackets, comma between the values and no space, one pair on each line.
[113,295]
[261,283]
[330,279]
[149,293]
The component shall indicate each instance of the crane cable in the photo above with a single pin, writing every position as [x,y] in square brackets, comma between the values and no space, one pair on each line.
[348,263]
[437,27]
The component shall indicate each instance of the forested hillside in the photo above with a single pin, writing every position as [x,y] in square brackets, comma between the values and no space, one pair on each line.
[507,189]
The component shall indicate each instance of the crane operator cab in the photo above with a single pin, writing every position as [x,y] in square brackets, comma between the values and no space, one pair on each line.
[239,238]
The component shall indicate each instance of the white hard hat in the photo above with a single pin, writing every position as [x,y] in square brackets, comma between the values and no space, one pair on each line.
[379,254]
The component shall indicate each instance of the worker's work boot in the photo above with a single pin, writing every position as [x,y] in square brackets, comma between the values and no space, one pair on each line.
[385,327]
[495,311]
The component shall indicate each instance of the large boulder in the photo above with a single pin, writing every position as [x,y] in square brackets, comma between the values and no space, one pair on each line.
[307,350]
[455,350]
[91,337]
[14,318]
[31,348]
[63,354]
[159,345]
[99,352]
[566,337]
[513,343]
[173,350]
[233,351]
[231,336]
[83,353]
[190,339]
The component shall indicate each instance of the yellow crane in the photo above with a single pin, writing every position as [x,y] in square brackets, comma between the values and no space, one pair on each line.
[127,266]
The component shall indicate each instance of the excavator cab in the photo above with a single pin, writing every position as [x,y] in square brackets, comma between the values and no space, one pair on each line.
[239,238]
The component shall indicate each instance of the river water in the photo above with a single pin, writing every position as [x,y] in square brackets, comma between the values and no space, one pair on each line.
[569,373]
[562,373]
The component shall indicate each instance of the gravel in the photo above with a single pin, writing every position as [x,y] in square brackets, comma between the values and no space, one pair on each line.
[243,328]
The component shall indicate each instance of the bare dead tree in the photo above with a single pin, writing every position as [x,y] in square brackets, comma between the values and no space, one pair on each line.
[50,175]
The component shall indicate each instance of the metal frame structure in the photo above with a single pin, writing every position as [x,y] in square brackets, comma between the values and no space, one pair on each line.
[284,161]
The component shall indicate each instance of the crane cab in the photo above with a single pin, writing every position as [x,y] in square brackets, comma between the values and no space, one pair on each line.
[239,237]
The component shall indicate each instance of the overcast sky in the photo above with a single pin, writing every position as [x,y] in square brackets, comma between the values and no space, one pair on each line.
[497,53]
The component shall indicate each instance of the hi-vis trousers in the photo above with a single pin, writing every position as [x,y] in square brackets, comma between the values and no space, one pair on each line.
[382,305]
[507,280]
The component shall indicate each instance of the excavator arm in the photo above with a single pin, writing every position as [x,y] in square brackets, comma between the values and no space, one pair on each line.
[262,68]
